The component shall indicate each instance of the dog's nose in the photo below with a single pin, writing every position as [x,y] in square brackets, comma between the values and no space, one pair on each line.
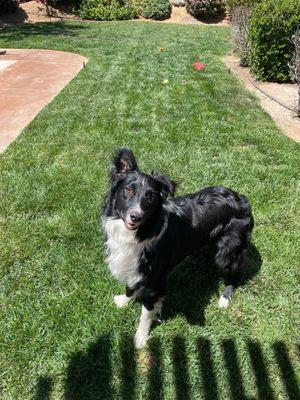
[135,216]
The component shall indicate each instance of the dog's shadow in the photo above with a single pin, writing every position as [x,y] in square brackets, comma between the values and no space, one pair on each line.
[195,280]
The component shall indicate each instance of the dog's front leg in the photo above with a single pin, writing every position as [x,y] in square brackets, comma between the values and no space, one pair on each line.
[121,300]
[146,319]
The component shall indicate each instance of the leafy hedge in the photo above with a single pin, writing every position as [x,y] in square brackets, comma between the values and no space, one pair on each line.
[65,2]
[249,3]
[272,25]
[107,10]
[8,6]
[204,8]
[154,9]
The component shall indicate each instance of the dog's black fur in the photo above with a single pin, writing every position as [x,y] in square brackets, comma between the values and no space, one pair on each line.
[169,230]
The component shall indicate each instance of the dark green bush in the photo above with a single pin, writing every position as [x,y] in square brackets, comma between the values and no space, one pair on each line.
[154,9]
[272,25]
[8,6]
[69,3]
[249,3]
[64,2]
[204,8]
[107,10]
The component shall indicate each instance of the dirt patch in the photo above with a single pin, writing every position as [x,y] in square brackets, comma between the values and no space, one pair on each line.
[34,11]
[181,16]
[277,99]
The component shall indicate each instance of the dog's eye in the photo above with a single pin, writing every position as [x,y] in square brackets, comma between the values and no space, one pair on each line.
[151,197]
[128,190]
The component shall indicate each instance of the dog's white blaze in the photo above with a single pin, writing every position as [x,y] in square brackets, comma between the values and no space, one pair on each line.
[123,252]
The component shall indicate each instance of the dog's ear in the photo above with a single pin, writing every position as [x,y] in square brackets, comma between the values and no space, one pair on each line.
[168,187]
[124,161]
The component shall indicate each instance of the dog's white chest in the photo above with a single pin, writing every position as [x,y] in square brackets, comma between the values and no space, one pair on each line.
[123,251]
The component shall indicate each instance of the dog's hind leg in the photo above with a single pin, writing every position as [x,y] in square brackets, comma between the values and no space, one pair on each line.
[146,319]
[226,296]
[231,247]
[121,300]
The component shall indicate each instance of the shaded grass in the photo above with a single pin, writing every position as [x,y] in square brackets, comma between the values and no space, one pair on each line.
[61,336]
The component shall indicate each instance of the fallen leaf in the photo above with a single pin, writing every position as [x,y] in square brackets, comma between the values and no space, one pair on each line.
[199,65]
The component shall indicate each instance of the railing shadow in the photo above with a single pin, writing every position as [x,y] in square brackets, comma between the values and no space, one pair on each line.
[207,370]
[155,376]
[90,373]
[128,368]
[288,375]
[194,281]
[236,384]
[180,369]
[260,371]
[44,388]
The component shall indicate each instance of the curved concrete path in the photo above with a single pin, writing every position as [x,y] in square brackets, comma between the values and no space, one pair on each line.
[29,80]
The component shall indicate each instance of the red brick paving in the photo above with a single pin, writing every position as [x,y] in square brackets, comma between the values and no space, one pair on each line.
[29,84]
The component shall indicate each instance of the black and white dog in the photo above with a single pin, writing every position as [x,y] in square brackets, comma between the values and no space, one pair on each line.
[147,234]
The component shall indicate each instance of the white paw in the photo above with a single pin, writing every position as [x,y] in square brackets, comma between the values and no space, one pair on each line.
[223,302]
[140,339]
[121,300]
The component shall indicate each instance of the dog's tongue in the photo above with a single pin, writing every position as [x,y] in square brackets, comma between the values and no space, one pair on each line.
[130,225]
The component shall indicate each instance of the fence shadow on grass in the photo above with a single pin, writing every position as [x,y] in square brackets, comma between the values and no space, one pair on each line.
[89,374]
[288,375]
[194,281]
[44,388]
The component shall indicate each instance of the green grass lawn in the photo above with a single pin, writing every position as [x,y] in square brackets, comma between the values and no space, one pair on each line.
[60,335]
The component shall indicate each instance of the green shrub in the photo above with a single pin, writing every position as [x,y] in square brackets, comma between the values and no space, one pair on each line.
[249,3]
[154,9]
[272,26]
[204,8]
[107,10]
[65,2]
[8,6]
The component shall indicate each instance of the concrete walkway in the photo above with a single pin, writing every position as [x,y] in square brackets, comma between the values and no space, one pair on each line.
[29,80]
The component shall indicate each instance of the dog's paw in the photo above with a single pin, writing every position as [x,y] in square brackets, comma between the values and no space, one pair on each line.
[140,339]
[224,302]
[121,300]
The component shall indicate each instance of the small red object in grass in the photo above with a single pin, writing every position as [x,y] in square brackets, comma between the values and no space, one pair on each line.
[199,65]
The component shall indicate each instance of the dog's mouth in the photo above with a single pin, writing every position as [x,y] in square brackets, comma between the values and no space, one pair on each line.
[132,226]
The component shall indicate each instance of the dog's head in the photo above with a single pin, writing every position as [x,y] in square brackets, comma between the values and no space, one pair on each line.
[138,196]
